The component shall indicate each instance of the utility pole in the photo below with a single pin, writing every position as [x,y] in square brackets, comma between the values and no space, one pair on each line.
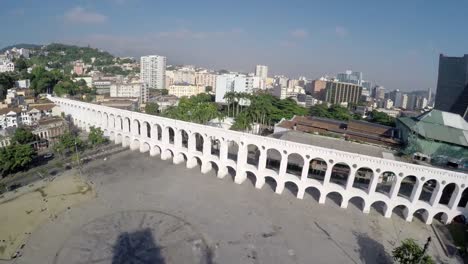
[426,246]
[78,159]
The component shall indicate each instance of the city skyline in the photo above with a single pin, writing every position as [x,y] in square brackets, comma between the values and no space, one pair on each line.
[396,45]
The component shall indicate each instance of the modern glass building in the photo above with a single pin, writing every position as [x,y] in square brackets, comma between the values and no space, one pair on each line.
[452,85]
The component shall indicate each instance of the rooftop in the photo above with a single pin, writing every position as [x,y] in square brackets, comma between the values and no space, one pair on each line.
[439,125]
[335,143]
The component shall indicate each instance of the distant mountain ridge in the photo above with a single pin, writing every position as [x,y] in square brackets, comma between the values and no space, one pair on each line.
[21,45]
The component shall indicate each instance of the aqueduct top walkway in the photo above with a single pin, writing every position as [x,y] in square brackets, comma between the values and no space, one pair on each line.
[392,185]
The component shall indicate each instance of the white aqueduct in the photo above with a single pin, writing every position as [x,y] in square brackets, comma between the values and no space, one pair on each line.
[369,182]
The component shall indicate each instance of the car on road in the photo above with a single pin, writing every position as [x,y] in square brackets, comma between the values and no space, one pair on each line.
[48,155]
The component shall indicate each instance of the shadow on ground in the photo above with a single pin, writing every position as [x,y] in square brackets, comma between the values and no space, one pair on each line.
[137,247]
[371,251]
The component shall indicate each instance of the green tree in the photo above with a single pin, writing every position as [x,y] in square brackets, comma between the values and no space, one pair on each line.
[67,143]
[152,108]
[410,253]
[381,118]
[319,110]
[198,109]
[96,136]
[15,157]
[208,89]
[6,82]
[43,80]
[242,122]
[66,86]
[164,92]
[21,64]
[23,136]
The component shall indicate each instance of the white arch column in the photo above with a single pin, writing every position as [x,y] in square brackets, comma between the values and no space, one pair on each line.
[282,173]
[304,174]
[373,184]
[455,199]
[241,175]
[350,181]
[192,141]
[416,192]
[436,194]
[206,165]
[395,188]
[223,152]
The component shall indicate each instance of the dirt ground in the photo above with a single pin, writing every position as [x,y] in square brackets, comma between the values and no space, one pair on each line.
[22,214]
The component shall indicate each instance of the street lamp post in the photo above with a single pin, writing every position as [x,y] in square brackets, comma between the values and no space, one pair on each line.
[426,246]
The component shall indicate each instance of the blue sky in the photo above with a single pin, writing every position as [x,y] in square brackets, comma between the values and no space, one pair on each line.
[394,43]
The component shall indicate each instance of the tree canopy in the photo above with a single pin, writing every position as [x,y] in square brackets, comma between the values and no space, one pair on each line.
[23,136]
[67,143]
[15,157]
[409,252]
[96,136]
[198,109]
[334,112]
[152,108]
[382,118]
[260,108]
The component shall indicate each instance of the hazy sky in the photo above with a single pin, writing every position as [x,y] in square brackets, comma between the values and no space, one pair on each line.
[394,43]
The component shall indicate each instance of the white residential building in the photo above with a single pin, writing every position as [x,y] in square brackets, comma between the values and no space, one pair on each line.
[7,66]
[184,75]
[134,89]
[261,71]
[283,92]
[235,83]
[188,90]
[153,71]
[24,84]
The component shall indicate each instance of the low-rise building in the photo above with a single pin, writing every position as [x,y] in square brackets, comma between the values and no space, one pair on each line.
[138,90]
[7,66]
[23,84]
[51,128]
[165,101]
[283,92]
[351,130]
[435,133]
[187,90]
[88,80]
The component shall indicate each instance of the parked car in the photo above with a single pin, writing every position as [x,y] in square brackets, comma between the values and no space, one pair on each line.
[48,155]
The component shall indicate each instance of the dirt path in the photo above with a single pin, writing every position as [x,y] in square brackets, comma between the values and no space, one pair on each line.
[21,215]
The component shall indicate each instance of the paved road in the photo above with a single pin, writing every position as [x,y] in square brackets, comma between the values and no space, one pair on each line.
[236,223]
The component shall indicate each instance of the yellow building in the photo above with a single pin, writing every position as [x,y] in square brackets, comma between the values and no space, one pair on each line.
[185,90]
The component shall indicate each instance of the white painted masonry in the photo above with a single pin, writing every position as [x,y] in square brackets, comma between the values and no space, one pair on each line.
[285,163]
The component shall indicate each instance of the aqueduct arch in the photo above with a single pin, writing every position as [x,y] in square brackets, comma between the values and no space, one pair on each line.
[387,186]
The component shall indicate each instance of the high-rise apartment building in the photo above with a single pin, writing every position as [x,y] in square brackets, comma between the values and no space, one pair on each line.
[261,71]
[153,71]
[338,92]
[378,92]
[452,85]
[350,77]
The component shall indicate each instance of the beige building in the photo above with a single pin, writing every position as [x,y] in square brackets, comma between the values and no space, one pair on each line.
[205,78]
[134,89]
[186,90]
[184,75]
[338,92]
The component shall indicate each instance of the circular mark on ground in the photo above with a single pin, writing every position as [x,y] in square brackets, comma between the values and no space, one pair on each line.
[135,237]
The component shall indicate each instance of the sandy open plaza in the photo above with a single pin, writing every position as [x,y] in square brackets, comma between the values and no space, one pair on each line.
[152,211]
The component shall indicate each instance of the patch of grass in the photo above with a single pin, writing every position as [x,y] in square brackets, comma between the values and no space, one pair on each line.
[459,235]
